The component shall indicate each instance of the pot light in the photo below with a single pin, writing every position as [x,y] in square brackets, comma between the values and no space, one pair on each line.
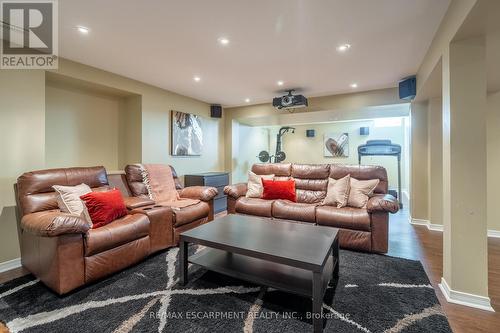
[223,40]
[353,85]
[83,30]
[343,48]
[247,100]
[197,79]
[280,83]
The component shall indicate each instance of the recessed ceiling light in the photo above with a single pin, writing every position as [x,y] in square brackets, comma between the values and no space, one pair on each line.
[83,30]
[353,85]
[343,47]
[223,40]
[247,100]
[197,78]
[280,83]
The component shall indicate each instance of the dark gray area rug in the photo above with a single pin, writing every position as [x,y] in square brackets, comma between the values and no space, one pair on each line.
[374,293]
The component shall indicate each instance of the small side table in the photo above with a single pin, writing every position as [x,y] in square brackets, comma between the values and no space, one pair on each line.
[215,179]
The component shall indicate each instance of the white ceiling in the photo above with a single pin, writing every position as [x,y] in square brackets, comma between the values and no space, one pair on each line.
[166,43]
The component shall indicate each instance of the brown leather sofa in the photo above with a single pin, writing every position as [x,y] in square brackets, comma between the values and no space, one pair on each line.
[364,229]
[60,248]
[180,219]
[64,253]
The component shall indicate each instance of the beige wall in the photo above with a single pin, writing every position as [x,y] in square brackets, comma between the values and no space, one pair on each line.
[22,137]
[248,142]
[300,149]
[493,160]
[22,129]
[81,128]
[130,131]
[337,106]
[156,106]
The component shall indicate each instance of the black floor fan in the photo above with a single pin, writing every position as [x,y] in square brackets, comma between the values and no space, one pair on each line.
[383,148]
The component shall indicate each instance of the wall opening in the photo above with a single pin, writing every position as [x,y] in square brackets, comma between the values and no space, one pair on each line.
[88,124]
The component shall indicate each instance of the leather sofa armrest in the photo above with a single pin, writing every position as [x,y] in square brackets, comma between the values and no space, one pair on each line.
[382,203]
[203,193]
[137,202]
[54,223]
[236,190]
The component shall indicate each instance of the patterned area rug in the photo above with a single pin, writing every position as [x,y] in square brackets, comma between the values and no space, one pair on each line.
[374,293]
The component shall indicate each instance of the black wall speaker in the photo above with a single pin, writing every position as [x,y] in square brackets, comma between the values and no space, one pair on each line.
[364,130]
[215,111]
[408,88]
[310,133]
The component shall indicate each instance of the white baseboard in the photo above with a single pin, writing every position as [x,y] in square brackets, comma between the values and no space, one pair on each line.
[471,300]
[405,195]
[494,233]
[440,227]
[9,265]
[435,227]
[419,221]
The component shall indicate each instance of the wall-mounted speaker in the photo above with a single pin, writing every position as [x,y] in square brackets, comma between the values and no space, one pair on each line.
[216,111]
[310,133]
[364,130]
[408,88]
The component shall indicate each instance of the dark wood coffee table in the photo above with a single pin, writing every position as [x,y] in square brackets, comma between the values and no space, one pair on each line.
[293,257]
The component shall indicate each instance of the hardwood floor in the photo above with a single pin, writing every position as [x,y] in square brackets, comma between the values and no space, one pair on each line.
[419,243]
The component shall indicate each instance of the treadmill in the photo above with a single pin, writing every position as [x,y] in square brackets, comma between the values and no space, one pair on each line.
[383,148]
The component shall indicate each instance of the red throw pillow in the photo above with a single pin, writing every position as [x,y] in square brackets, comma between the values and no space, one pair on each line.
[104,207]
[279,189]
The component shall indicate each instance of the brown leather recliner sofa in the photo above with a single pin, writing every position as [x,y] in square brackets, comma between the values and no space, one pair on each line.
[364,229]
[65,253]
[180,219]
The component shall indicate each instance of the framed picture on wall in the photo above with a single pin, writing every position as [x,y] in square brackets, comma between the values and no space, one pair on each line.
[336,145]
[186,134]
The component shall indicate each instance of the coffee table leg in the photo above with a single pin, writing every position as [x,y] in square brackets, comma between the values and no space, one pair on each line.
[183,257]
[335,255]
[317,300]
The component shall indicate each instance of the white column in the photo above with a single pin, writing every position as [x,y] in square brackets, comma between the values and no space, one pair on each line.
[465,251]
[435,141]
[419,209]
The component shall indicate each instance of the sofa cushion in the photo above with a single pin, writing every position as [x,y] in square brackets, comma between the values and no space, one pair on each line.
[362,172]
[276,169]
[338,192]
[310,171]
[68,200]
[284,209]
[254,186]
[104,207]
[346,217]
[118,232]
[311,181]
[279,189]
[360,192]
[254,206]
[191,213]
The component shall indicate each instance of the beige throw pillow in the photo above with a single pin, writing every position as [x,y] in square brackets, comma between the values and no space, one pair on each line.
[69,201]
[338,192]
[360,192]
[254,186]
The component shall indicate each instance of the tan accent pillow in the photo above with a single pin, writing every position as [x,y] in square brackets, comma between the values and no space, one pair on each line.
[338,192]
[360,192]
[254,186]
[69,201]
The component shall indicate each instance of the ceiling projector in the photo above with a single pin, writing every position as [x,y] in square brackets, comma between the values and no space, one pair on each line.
[290,101]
